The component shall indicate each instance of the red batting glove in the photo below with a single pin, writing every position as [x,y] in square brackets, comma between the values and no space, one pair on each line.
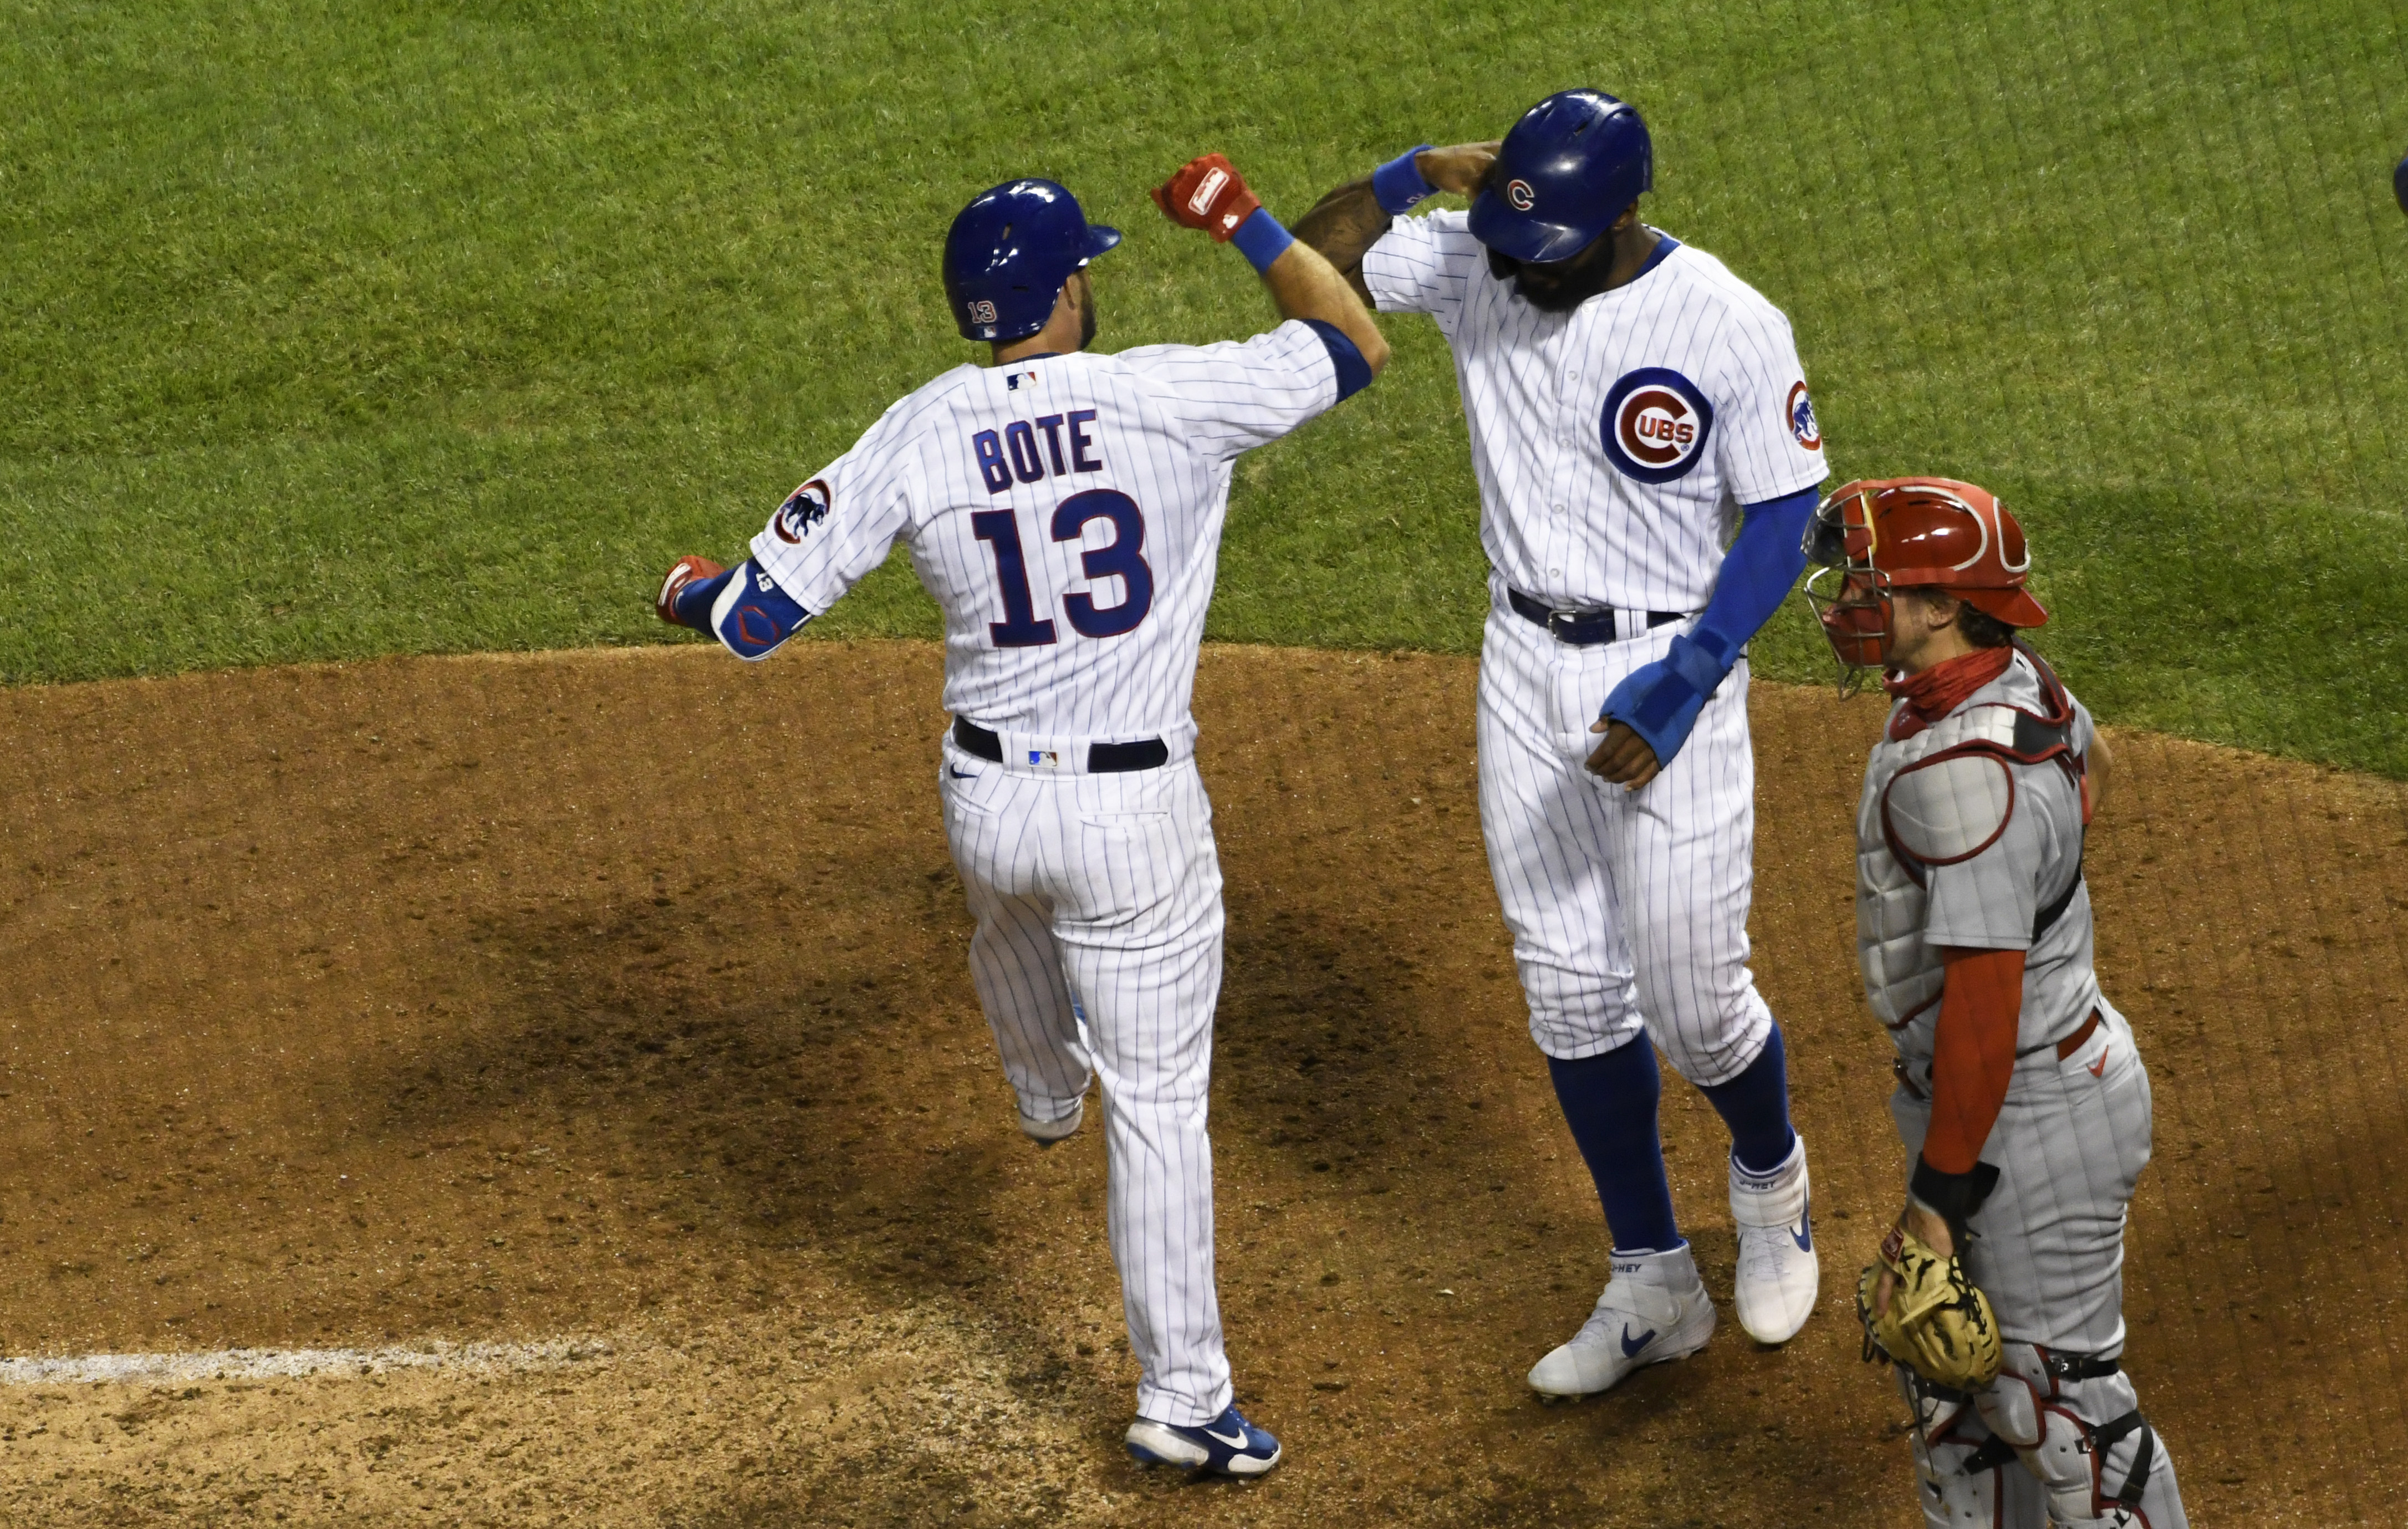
[1208,193]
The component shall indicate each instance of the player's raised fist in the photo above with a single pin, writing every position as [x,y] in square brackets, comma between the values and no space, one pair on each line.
[1207,192]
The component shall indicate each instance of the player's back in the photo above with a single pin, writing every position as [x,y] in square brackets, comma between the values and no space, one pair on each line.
[1066,512]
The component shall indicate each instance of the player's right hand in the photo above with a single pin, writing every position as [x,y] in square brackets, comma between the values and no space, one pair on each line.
[1207,192]
[1461,168]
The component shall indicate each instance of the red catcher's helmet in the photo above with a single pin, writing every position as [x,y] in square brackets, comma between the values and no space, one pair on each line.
[1880,535]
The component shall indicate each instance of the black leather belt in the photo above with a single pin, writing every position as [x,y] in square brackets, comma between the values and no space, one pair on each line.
[1102,758]
[1582,629]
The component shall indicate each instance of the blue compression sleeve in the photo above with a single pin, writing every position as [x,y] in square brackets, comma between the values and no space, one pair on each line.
[1763,563]
[1661,701]
[1353,372]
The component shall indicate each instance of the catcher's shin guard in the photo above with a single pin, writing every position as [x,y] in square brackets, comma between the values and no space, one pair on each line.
[1966,1476]
[2074,1420]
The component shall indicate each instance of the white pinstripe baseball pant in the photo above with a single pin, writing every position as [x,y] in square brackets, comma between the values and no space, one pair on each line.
[1628,909]
[1109,887]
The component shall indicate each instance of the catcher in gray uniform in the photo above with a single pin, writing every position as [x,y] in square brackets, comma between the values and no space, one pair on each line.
[2020,1095]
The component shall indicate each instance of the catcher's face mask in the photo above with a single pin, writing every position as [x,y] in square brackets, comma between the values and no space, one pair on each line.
[1849,595]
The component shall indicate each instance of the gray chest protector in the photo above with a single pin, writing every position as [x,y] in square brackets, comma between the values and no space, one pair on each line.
[1940,798]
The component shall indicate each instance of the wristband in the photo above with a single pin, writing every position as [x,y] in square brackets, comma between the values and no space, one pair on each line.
[1951,1197]
[1398,184]
[693,604]
[1261,239]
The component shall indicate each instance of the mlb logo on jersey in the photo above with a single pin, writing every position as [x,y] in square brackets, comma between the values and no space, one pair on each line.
[1011,380]
[805,508]
[1654,424]
[1801,418]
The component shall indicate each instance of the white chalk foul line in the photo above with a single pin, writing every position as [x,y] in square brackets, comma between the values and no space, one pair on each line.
[297,1363]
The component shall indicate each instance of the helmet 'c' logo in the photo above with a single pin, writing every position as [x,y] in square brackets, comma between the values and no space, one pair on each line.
[981,311]
[805,508]
[1518,192]
[1655,425]
[1801,418]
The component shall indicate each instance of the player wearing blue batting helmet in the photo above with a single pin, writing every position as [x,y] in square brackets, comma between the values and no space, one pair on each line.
[1009,252]
[1565,172]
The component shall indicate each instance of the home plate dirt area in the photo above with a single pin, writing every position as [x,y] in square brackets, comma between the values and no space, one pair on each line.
[576,1054]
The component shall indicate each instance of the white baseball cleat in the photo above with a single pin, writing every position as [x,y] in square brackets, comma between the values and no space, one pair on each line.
[1779,1276]
[1046,1132]
[1654,1308]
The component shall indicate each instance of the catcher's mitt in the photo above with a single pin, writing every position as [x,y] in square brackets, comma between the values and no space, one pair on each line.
[1936,1324]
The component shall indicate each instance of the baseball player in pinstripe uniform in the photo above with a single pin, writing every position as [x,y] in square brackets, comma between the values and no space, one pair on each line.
[1646,456]
[1065,510]
[2020,1093]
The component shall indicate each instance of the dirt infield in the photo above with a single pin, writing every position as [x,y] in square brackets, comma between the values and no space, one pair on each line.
[621,998]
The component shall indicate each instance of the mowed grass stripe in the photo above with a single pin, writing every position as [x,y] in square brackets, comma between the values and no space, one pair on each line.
[334,331]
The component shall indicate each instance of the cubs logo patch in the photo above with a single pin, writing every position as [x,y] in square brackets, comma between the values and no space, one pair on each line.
[1518,192]
[805,508]
[1655,425]
[1801,419]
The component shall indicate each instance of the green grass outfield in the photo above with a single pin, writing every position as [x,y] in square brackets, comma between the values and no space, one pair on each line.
[337,330]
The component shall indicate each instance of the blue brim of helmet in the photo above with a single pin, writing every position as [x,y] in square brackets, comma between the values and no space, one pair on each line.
[1099,238]
[1521,237]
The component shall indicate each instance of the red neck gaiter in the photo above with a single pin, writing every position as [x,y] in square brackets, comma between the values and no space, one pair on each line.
[1941,689]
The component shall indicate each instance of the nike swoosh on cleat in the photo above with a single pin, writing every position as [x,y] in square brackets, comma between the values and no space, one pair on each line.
[1804,1235]
[1238,1443]
[1631,1346]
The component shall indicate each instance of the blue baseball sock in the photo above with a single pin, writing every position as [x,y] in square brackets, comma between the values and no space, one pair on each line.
[1609,1103]
[1755,1107]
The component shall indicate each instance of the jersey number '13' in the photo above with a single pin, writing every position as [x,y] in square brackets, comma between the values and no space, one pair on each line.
[1121,558]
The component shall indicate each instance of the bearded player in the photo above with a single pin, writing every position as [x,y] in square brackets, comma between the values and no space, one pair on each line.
[2020,1093]
[1065,510]
[1647,459]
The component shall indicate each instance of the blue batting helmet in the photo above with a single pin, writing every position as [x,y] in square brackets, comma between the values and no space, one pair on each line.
[1564,174]
[1008,253]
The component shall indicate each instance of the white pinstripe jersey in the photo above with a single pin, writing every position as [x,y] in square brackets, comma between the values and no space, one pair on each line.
[1612,444]
[1066,512]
